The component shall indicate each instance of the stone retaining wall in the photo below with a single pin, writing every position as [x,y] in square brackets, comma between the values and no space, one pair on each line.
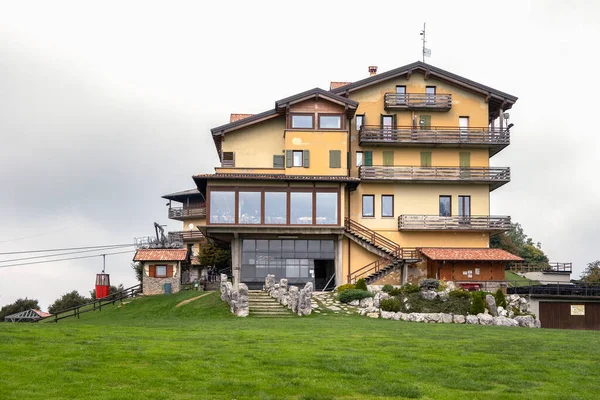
[237,299]
[297,300]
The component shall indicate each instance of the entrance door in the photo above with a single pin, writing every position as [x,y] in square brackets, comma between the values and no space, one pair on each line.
[464,209]
[324,270]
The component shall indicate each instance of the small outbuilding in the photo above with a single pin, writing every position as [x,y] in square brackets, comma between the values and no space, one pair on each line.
[161,269]
[31,315]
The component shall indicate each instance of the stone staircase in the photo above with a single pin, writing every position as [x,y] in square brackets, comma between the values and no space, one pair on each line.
[264,306]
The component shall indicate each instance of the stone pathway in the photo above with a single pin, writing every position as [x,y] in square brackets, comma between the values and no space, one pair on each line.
[326,302]
[192,299]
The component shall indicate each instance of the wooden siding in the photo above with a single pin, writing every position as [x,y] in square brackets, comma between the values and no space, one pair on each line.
[557,315]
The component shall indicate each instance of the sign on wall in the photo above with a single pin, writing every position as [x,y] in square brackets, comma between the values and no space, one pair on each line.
[577,309]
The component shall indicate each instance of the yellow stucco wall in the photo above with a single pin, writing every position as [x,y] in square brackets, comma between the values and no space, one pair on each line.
[440,157]
[319,143]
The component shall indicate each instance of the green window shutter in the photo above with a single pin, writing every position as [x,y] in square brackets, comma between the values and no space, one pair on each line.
[306,158]
[289,161]
[278,161]
[388,158]
[348,160]
[335,159]
[425,121]
[368,158]
[425,159]
[465,159]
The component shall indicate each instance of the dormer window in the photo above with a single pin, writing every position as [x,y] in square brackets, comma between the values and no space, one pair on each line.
[302,121]
[330,121]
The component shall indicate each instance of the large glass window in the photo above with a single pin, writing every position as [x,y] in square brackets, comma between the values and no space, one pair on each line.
[368,205]
[445,206]
[249,208]
[330,121]
[222,207]
[302,121]
[301,208]
[276,208]
[387,205]
[327,208]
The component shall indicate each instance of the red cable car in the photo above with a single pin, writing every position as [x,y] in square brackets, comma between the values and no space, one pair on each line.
[102,285]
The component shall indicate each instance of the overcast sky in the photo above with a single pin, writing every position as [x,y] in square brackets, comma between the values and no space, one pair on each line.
[105,107]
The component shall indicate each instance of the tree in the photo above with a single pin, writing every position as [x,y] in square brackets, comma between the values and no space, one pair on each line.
[515,241]
[591,273]
[68,300]
[18,306]
[139,270]
[212,256]
[111,290]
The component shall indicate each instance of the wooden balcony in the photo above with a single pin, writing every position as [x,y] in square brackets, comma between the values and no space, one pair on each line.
[435,136]
[473,223]
[183,213]
[182,236]
[418,101]
[494,176]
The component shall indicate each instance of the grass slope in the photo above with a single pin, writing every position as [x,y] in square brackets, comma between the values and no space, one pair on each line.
[517,280]
[150,349]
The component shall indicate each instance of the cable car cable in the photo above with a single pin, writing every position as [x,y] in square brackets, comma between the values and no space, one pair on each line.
[59,254]
[63,259]
[68,248]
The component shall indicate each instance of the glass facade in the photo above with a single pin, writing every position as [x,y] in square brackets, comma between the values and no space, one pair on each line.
[222,207]
[291,259]
[327,208]
[249,208]
[301,208]
[276,208]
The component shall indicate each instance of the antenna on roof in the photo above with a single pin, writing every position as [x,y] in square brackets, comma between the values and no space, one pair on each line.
[426,51]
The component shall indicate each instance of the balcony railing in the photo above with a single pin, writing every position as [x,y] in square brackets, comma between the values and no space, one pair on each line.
[435,135]
[180,236]
[549,268]
[187,212]
[483,223]
[496,176]
[418,101]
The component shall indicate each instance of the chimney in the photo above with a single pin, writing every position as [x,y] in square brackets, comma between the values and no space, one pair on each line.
[373,70]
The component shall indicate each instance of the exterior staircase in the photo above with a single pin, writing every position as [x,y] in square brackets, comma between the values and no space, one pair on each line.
[392,256]
[264,306]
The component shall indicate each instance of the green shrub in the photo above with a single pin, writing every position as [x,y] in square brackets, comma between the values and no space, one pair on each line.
[353,294]
[430,284]
[410,288]
[477,305]
[460,293]
[387,288]
[500,298]
[391,304]
[361,284]
[347,286]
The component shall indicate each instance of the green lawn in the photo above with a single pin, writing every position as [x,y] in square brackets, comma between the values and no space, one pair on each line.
[517,280]
[148,349]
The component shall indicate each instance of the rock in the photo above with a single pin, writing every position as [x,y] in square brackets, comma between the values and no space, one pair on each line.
[458,319]
[366,303]
[446,318]
[491,304]
[269,282]
[418,317]
[226,289]
[502,312]
[511,314]
[404,316]
[472,319]
[396,316]
[373,315]
[444,296]
[363,311]
[538,323]
[354,303]
[387,314]
[334,308]
[242,306]
[503,321]
[283,283]
[293,298]
[309,288]
[378,297]
[304,296]
[485,319]
[450,286]
[432,317]
[526,321]
[428,294]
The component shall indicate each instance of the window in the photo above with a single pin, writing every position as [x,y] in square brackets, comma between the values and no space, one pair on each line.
[249,208]
[327,208]
[400,94]
[222,207]
[335,159]
[228,159]
[297,158]
[330,121]
[161,271]
[302,121]
[359,158]
[360,120]
[301,208]
[430,94]
[387,205]
[425,159]
[368,205]
[445,206]
[276,208]
[464,207]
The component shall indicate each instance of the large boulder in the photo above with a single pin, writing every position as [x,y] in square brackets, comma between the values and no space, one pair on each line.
[304,305]
[366,302]
[491,304]
[354,303]
[485,319]
[502,312]
[432,317]
[293,299]
[418,317]
[525,321]
[503,321]
[226,289]
[378,297]
[241,307]
[269,282]
[459,319]
[428,294]
[387,314]
[396,316]
[472,319]
[446,318]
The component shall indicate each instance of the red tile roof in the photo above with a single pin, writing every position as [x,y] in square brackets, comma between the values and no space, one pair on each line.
[41,313]
[279,177]
[335,85]
[237,117]
[160,255]
[449,254]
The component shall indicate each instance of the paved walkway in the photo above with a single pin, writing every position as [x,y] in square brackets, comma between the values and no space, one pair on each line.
[326,302]
[192,299]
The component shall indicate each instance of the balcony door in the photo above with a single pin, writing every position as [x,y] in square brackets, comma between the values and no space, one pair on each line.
[463,124]
[400,94]
[387,126]
[430,95]
[464,209]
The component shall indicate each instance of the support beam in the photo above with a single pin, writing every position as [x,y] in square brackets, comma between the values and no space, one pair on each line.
[236,261]
[339,261]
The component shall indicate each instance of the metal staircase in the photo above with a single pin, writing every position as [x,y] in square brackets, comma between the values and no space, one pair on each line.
[392,256]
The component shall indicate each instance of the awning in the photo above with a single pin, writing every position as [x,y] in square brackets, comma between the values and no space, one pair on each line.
[468,254]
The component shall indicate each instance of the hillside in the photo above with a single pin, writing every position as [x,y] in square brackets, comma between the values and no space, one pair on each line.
[151,349]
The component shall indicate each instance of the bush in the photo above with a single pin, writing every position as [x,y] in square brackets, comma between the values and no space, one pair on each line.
[410,288]
[477,305]
[347,286]
[361,284]
[430,284]
[68,300]
[353,294]
[392,304]
[460,293]
[500,298]
[387,288]
[18,306]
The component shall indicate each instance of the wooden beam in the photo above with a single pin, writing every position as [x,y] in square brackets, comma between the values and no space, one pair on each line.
[408,74]
[427,72]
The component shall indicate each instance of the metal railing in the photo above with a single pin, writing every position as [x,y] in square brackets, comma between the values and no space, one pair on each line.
[550,288]
[457,223]
[549,267]
[433,135]
[418,101]
[180,236]
[409,173]
[186,212]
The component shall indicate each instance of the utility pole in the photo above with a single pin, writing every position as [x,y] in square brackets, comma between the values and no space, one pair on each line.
[426,51]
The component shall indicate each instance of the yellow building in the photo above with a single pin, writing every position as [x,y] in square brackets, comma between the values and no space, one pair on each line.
[333,186]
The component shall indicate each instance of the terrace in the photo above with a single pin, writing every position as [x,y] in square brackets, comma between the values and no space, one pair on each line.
[418,101]
[193,211]
[471,223]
